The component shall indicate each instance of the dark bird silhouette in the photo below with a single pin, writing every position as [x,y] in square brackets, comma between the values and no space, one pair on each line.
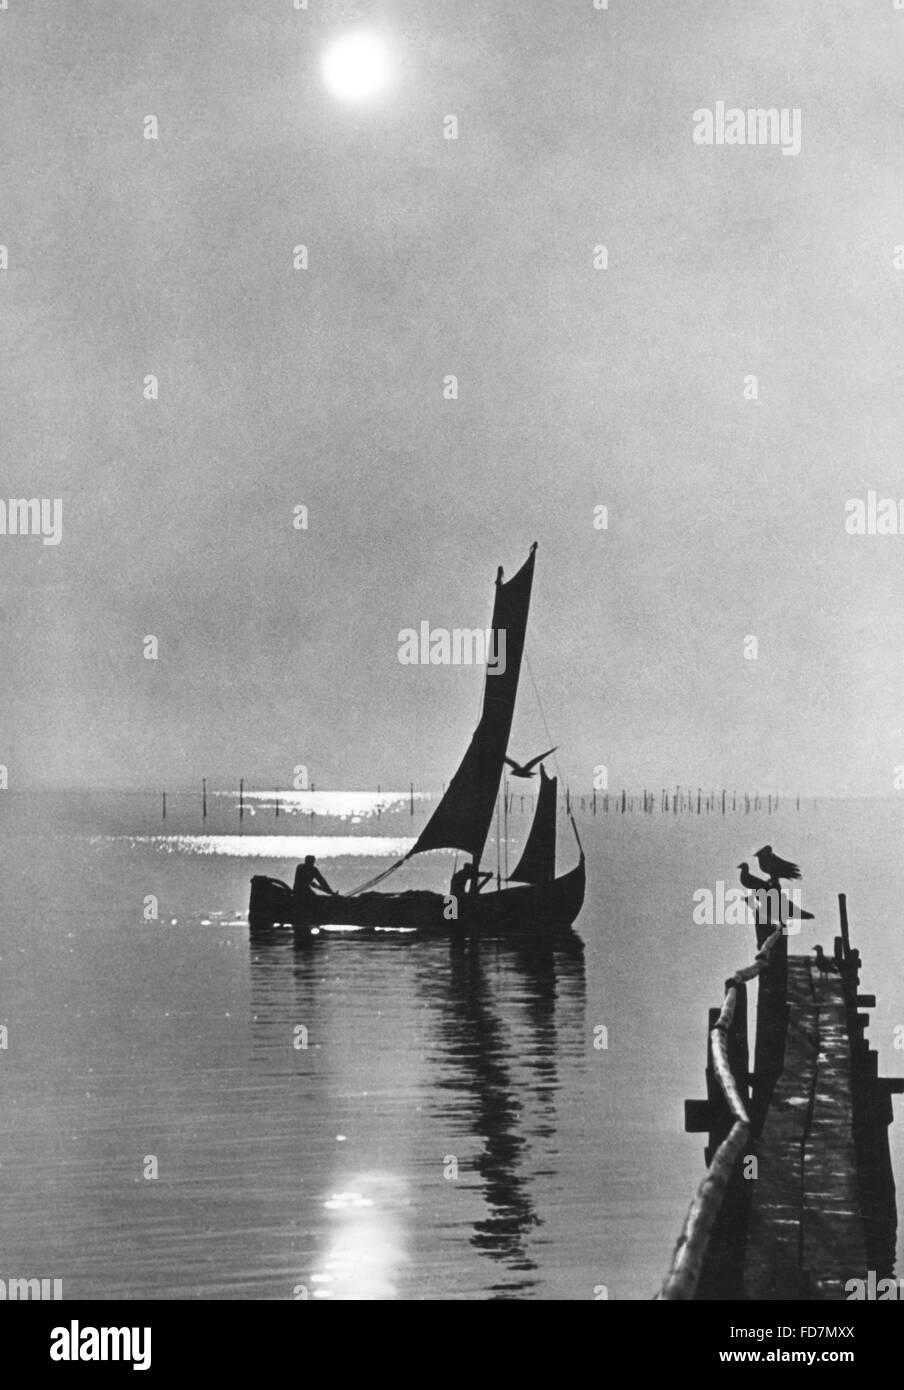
[793,910]
[749,880]
[773,866]
[760,885]
[526,770]
[823,964]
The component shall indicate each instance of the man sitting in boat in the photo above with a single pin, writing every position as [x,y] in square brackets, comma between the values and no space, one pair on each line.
[307,878]
[462,880]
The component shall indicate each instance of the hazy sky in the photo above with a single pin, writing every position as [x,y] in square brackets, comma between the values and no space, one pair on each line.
[578,387]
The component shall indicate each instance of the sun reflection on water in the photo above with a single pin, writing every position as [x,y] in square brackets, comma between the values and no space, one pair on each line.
[366,1249]
[276,846]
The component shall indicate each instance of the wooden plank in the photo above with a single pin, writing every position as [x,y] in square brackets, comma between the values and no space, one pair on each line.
[773,1268]
[806,1230]
[832,1244]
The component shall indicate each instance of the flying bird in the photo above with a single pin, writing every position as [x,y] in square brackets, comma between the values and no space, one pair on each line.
[773,866]
[823,964]
[526,770]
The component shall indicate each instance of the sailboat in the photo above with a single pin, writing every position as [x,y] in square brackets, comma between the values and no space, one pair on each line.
[536,903]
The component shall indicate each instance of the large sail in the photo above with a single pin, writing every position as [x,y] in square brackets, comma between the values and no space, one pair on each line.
[538,859]
[462,818]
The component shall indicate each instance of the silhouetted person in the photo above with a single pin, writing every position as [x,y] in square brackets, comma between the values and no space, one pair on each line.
[462,880]
[308,878]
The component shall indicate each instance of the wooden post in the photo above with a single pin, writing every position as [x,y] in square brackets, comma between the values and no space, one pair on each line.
[772,1018]
[164,805]
[845,934]
[204,798]
[623,799]
[411,798]
[698,801]
[241,798]
[723,801]
[276,802]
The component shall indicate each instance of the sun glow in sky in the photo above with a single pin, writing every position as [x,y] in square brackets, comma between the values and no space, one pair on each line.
[356,66]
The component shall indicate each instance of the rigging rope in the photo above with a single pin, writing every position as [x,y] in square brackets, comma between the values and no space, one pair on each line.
[372,882]
[555,756]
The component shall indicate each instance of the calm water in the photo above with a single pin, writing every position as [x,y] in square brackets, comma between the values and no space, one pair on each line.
[449,1131]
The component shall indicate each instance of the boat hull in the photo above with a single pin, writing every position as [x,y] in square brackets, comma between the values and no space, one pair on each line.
[536,910]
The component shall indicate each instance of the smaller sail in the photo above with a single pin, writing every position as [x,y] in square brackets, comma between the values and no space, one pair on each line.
[538,860]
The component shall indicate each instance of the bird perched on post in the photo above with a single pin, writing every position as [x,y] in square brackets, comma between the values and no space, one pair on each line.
[749,880]
[527,769]
[757,886]
[773,866]
[823,964]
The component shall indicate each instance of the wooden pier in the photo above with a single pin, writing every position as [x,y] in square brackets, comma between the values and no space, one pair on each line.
[798,1198]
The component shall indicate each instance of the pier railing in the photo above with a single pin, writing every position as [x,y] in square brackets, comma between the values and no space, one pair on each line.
[809,1122]
[726,1108]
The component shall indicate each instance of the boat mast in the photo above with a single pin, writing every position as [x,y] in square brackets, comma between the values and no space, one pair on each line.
[475,863]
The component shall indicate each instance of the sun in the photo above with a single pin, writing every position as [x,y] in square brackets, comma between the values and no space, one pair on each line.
[356,66]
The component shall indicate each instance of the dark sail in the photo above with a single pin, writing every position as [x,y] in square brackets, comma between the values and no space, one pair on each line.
[462,818]
[538,860]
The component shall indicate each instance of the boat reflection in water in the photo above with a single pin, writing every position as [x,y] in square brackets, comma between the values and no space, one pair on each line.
[417,1053]
[503,1018]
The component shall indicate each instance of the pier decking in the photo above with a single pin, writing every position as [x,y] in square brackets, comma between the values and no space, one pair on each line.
[799,1196]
